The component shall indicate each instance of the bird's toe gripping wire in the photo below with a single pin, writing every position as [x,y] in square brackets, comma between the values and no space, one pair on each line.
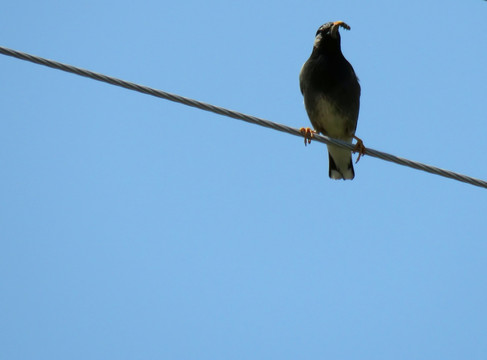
[308,135]
[359,147]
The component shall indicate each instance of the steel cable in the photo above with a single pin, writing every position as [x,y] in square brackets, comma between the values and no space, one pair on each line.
[238,115]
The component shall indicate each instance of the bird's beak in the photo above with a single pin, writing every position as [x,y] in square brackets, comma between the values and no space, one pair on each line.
[336,25]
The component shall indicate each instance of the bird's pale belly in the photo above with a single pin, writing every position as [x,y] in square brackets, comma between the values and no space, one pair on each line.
[327,119]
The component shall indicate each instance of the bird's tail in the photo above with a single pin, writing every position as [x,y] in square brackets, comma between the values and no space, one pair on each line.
[341,166]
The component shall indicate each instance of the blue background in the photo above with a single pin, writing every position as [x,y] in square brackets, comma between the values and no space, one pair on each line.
[136,228]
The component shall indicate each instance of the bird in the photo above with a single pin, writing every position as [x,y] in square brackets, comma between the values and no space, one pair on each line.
[331,92]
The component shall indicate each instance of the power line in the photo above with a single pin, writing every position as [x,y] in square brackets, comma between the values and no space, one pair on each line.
[237,115]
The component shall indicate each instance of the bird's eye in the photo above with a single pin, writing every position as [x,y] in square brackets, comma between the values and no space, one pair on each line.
[323,31]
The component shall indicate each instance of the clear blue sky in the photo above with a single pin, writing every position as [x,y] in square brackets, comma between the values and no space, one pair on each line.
[136,228]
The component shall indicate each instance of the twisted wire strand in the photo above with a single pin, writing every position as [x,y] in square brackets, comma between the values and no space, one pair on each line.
[237,115]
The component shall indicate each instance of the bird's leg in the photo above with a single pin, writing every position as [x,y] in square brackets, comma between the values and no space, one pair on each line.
[359,147]
[308,135]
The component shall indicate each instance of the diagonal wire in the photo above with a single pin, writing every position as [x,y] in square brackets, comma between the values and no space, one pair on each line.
[238,115]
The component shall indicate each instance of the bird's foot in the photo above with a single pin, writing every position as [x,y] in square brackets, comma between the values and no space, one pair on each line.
[359,147]
[308,135]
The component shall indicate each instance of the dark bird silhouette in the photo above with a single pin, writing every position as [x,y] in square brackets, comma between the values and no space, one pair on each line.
[332,98]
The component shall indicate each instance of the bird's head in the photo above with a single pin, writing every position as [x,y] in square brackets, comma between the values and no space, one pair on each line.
[328,37]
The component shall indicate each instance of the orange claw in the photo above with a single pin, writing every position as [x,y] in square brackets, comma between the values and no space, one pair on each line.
[308,135]
[359,147]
